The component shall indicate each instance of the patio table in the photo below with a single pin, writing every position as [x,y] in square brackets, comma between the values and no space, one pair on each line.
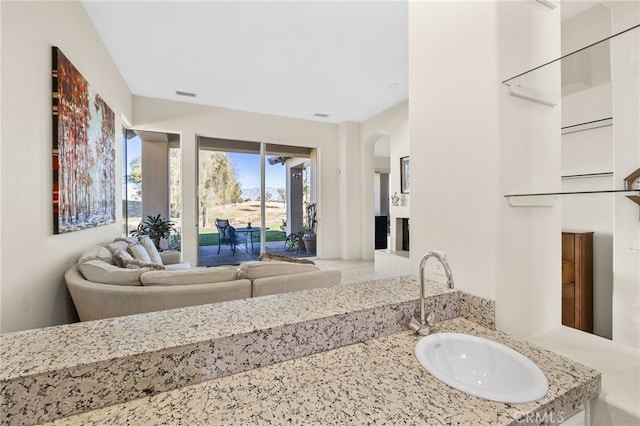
[250,232]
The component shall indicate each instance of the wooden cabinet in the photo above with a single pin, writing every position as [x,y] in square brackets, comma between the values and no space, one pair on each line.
[577,280]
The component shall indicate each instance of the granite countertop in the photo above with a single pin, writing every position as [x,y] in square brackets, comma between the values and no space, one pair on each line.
[378,381]
[342,355]
[59,371]
[30,352]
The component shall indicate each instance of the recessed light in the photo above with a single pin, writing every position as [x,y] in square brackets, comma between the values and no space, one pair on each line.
[187,94]
[394,85]
[321,115]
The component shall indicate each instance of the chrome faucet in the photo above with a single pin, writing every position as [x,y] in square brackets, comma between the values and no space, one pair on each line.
[422,326]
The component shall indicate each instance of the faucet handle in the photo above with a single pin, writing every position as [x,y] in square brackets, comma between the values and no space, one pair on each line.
[415,324]
[431,319]
[423,329]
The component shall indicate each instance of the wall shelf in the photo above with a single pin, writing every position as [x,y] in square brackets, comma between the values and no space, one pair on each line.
[548,199]
[589,125]
[605,191]
[587,175]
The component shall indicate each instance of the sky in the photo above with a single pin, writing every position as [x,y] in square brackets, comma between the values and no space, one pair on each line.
[247,168]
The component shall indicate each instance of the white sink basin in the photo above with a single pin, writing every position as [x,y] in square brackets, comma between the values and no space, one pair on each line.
[481,367]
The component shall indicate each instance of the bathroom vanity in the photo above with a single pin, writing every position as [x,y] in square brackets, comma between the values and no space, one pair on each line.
[339,355]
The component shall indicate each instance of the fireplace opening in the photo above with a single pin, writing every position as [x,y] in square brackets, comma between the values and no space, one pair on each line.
[402,234]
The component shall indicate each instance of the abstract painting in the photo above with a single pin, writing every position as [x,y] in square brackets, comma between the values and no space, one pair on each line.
[84,181]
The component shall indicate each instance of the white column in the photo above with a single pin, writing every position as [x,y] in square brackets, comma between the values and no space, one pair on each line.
[350,190]
[155,177]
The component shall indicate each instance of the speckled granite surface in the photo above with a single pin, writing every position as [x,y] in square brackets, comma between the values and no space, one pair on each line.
[479,310]
[55,372]
[375,382]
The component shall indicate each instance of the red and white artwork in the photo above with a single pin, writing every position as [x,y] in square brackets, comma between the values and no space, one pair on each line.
[83,151]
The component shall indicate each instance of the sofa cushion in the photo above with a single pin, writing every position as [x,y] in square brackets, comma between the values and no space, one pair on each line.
[102,272]
[170,257]
[146,242]
[96,253]
[139,252]
[285,283]
[190,276]
[178,266]
[254,270]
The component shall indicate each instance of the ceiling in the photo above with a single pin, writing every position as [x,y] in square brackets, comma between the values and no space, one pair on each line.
[292,58]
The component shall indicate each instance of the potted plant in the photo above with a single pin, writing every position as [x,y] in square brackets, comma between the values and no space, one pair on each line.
[156,228]
[300,238]
[309,231]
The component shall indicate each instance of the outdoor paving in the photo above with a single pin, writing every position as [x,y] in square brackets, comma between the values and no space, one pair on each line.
[209,254]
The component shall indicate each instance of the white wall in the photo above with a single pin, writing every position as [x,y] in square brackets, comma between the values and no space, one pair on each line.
[625,75]
[33,259]
[471,143]
[391,124]
[351,197]
[382,164]
[585,28]
[191,120]
[154,179]
[454,140]
[528,293]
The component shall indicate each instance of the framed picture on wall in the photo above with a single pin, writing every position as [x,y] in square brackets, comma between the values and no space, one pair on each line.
[404,175]
[84,178]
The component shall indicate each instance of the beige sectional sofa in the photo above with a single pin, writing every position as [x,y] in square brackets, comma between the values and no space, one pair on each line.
[102,286]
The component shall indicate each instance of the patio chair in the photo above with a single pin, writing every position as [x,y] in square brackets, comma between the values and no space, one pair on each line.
[227,235]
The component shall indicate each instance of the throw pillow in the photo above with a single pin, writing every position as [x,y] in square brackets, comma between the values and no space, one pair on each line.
[191,276]
[124,260]
[121,258]
[135,264]
[96,253]
[128,240]
[254,270]
[117,246]
[146,242]
[102,272]
[284,258]
[139,252]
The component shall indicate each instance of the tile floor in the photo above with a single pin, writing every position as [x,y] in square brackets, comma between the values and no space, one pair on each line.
[208,255]
[352,270]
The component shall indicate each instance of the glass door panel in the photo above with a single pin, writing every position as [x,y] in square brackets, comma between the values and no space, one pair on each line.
[251,200]
[229,202]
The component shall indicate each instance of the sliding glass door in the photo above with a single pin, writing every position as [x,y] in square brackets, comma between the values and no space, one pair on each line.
[251,199]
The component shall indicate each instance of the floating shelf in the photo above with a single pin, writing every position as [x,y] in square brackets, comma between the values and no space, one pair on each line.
[587,175]
[548,199]
[605,191]
[589,125]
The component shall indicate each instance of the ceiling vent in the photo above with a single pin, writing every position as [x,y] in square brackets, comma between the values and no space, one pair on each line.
[187,94]
[320,115]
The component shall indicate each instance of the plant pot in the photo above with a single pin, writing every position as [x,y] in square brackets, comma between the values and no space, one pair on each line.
[301,245]
[310,244]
